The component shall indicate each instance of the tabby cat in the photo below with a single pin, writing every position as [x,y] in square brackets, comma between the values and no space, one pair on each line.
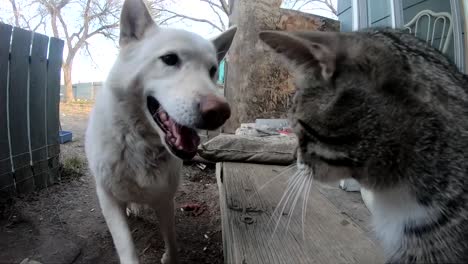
[384,108]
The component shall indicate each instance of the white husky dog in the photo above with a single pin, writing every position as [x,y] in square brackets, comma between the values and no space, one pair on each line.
[161,88]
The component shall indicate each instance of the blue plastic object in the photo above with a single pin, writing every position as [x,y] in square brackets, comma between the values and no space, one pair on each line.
[65,136]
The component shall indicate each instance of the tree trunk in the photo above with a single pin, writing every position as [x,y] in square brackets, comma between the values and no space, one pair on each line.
[258,84]
[246,89]
[15,12]
[67,70]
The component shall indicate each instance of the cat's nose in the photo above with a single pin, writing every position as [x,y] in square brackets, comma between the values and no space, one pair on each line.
[214,112]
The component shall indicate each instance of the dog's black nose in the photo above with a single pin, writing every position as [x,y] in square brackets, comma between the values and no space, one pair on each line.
[214,111]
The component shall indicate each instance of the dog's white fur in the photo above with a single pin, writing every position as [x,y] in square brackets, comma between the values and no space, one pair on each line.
[124,146]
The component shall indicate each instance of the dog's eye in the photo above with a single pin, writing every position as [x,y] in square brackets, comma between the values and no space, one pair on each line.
[213,71]
[170,59]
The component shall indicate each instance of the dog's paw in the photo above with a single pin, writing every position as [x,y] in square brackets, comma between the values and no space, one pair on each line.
[166,259]
[134,209]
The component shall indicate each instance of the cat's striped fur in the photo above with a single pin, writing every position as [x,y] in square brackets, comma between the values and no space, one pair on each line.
[386,109]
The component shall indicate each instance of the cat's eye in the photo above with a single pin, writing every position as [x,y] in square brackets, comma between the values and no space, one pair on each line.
[170,59]
[213,71]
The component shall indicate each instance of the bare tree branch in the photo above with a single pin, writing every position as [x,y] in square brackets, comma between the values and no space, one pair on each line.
[22,18]
[212,4]
[316,8]
[40,15]
[102,29]
[312,5]
[226,7]
[162,22]
[220,19]
[65,31]
[154,6]
[220,8]
[15,12]
[88,52]
[97,17]
[201,20]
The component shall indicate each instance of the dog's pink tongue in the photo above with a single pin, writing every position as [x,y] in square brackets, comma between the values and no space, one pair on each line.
[186,138]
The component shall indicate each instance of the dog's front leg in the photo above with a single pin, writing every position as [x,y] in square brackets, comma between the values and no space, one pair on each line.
[114,213]
[165,211]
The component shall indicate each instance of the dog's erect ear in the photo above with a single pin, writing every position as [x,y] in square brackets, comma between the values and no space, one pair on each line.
[315,50]
[223,42]
[134,21]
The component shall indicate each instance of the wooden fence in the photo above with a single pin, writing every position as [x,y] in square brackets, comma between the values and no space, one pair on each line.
[29,110]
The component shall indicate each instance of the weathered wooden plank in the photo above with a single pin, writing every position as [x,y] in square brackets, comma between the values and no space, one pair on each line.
[6,176]
[52,104]
[54,165]
[18,117]
[329,236]
[37,108]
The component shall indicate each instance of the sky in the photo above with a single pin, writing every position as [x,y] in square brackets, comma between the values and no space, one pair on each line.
[104,51]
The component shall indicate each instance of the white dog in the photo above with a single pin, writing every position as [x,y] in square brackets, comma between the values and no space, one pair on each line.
[161,88]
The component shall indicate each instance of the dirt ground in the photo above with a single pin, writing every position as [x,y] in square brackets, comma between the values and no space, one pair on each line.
[63,223]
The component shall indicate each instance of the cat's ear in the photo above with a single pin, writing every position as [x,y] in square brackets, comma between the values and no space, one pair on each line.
[313,51]
[135,20]
[223,42]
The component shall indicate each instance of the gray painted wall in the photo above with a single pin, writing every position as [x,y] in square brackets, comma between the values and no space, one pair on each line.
[379,15]
[345,15]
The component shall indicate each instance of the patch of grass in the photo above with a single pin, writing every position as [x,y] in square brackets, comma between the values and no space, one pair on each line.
[73,167]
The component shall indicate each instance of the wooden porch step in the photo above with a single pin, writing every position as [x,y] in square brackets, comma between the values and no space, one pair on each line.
[329,236]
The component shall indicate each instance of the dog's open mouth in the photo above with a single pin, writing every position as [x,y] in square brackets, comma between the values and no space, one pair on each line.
[183,141]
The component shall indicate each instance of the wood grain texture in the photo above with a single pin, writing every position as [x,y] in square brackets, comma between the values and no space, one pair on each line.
[37,109]
[29,110]
[6,175]
[52,106]
[53,94]
[329,236]
[18,109]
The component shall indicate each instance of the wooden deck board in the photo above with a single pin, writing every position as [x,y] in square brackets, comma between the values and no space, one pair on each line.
[329,236]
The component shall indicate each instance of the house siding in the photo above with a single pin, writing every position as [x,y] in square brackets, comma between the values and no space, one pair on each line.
[345,15]
[379,15]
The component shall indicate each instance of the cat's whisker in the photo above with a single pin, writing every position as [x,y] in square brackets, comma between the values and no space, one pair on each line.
[305,202]
[304,198]
[281,212]
[295,167]
[295,177]
[283,172]
[291,191]
[299,191]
